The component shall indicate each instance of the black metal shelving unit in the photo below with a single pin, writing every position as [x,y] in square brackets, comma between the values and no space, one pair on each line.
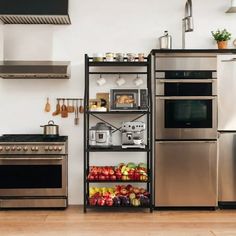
[102,116]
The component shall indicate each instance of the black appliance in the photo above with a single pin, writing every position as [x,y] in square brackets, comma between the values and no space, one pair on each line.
[34,12]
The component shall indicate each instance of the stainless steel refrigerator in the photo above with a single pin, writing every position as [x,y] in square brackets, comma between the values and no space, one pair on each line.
[227,129]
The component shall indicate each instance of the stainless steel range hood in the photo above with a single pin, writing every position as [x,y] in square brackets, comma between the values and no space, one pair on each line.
[34,12]
[232,9]
[34,69]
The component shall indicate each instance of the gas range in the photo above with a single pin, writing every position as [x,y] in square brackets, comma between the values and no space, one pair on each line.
[33,171]
[14,144]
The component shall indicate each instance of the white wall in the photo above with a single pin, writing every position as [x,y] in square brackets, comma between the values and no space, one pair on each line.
[97,26]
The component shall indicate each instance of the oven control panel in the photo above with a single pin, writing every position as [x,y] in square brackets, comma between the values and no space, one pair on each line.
[32,149]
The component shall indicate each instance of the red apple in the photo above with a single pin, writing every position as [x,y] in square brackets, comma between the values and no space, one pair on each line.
[113,177]
[105,172]
[109,201]
[90,177]
[102,177]
[101,201]
[92,201]
[129,187]
[111,172]
[136,190]
[107,177]
[96,177]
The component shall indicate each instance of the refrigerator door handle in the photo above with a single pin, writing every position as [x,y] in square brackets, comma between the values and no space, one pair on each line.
[230,60]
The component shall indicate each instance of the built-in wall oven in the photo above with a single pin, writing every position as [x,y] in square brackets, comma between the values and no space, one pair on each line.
[185,130]
[186,104]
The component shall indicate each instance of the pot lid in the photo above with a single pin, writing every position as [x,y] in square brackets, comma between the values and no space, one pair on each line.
[101,126]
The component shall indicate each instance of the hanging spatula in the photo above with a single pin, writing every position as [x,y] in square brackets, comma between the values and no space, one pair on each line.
[47,106]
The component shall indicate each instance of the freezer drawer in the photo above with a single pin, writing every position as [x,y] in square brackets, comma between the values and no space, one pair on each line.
[186,174]
[227,167]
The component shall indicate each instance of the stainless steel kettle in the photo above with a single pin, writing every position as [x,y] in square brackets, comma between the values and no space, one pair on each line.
[165,41]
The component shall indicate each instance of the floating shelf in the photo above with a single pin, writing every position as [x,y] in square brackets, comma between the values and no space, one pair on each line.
[119,112]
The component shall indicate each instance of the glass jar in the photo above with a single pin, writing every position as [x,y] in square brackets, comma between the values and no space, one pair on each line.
[120,57]
[141,57]
[109,56]
[131,57]
[98,57]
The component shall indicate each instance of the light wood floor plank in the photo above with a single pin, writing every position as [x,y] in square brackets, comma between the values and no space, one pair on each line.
[73,222]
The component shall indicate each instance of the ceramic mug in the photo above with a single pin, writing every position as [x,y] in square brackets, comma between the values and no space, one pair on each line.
[138,81]
[101,81]
[120,81]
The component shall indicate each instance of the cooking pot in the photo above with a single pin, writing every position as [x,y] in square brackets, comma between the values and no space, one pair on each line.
[50,129]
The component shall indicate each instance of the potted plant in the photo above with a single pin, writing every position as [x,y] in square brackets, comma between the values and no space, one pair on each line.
[221,37]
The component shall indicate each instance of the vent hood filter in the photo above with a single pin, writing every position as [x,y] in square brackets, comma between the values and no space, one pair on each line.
[34,12]
[232,9]
[34,69]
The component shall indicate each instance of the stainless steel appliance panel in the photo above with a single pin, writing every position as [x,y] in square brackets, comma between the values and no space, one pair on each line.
[186,174]
[35,187]
[226,90]
[164,132]
[227,167]
[186,63]
[160,84]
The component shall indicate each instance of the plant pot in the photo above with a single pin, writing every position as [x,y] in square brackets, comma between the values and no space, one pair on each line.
[222,44]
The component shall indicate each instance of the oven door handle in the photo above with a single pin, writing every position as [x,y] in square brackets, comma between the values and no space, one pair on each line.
[187,98]
[31,159]
[185,142]
[187,81]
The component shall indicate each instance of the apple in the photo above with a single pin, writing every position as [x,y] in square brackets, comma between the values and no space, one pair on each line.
[105,172]
[125,178]
[111,172]
[109,201]
[129,187]
[102,177]
[143,178]
[107,177]
[96,177]
[136,190]
[113,177]
[101,201]
[124,191]
[92,201]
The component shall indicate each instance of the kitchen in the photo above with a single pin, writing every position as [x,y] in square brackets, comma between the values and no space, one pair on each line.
[89,33]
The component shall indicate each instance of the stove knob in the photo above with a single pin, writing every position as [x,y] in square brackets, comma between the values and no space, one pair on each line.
[13,148]
[1,149]
[55,148]
[25,149]
[50,148]
[18,148]
[33,149]
[60,149]
[36,149]
[7,149]
[46,148]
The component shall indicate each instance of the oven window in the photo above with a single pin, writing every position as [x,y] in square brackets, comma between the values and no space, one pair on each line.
[30,176]
[188,89]
[188,114]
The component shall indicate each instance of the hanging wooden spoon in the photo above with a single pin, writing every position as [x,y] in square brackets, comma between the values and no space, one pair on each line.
[70,107]
[64,111]
[47,106]
[58,109]
[81,108]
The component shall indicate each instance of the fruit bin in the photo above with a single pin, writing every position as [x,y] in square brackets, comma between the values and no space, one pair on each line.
[127,173]
[119,196]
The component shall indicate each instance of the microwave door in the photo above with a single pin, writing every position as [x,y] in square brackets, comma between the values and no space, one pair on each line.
[226,92]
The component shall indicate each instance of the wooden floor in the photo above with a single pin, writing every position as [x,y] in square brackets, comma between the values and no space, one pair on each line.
[74,222]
